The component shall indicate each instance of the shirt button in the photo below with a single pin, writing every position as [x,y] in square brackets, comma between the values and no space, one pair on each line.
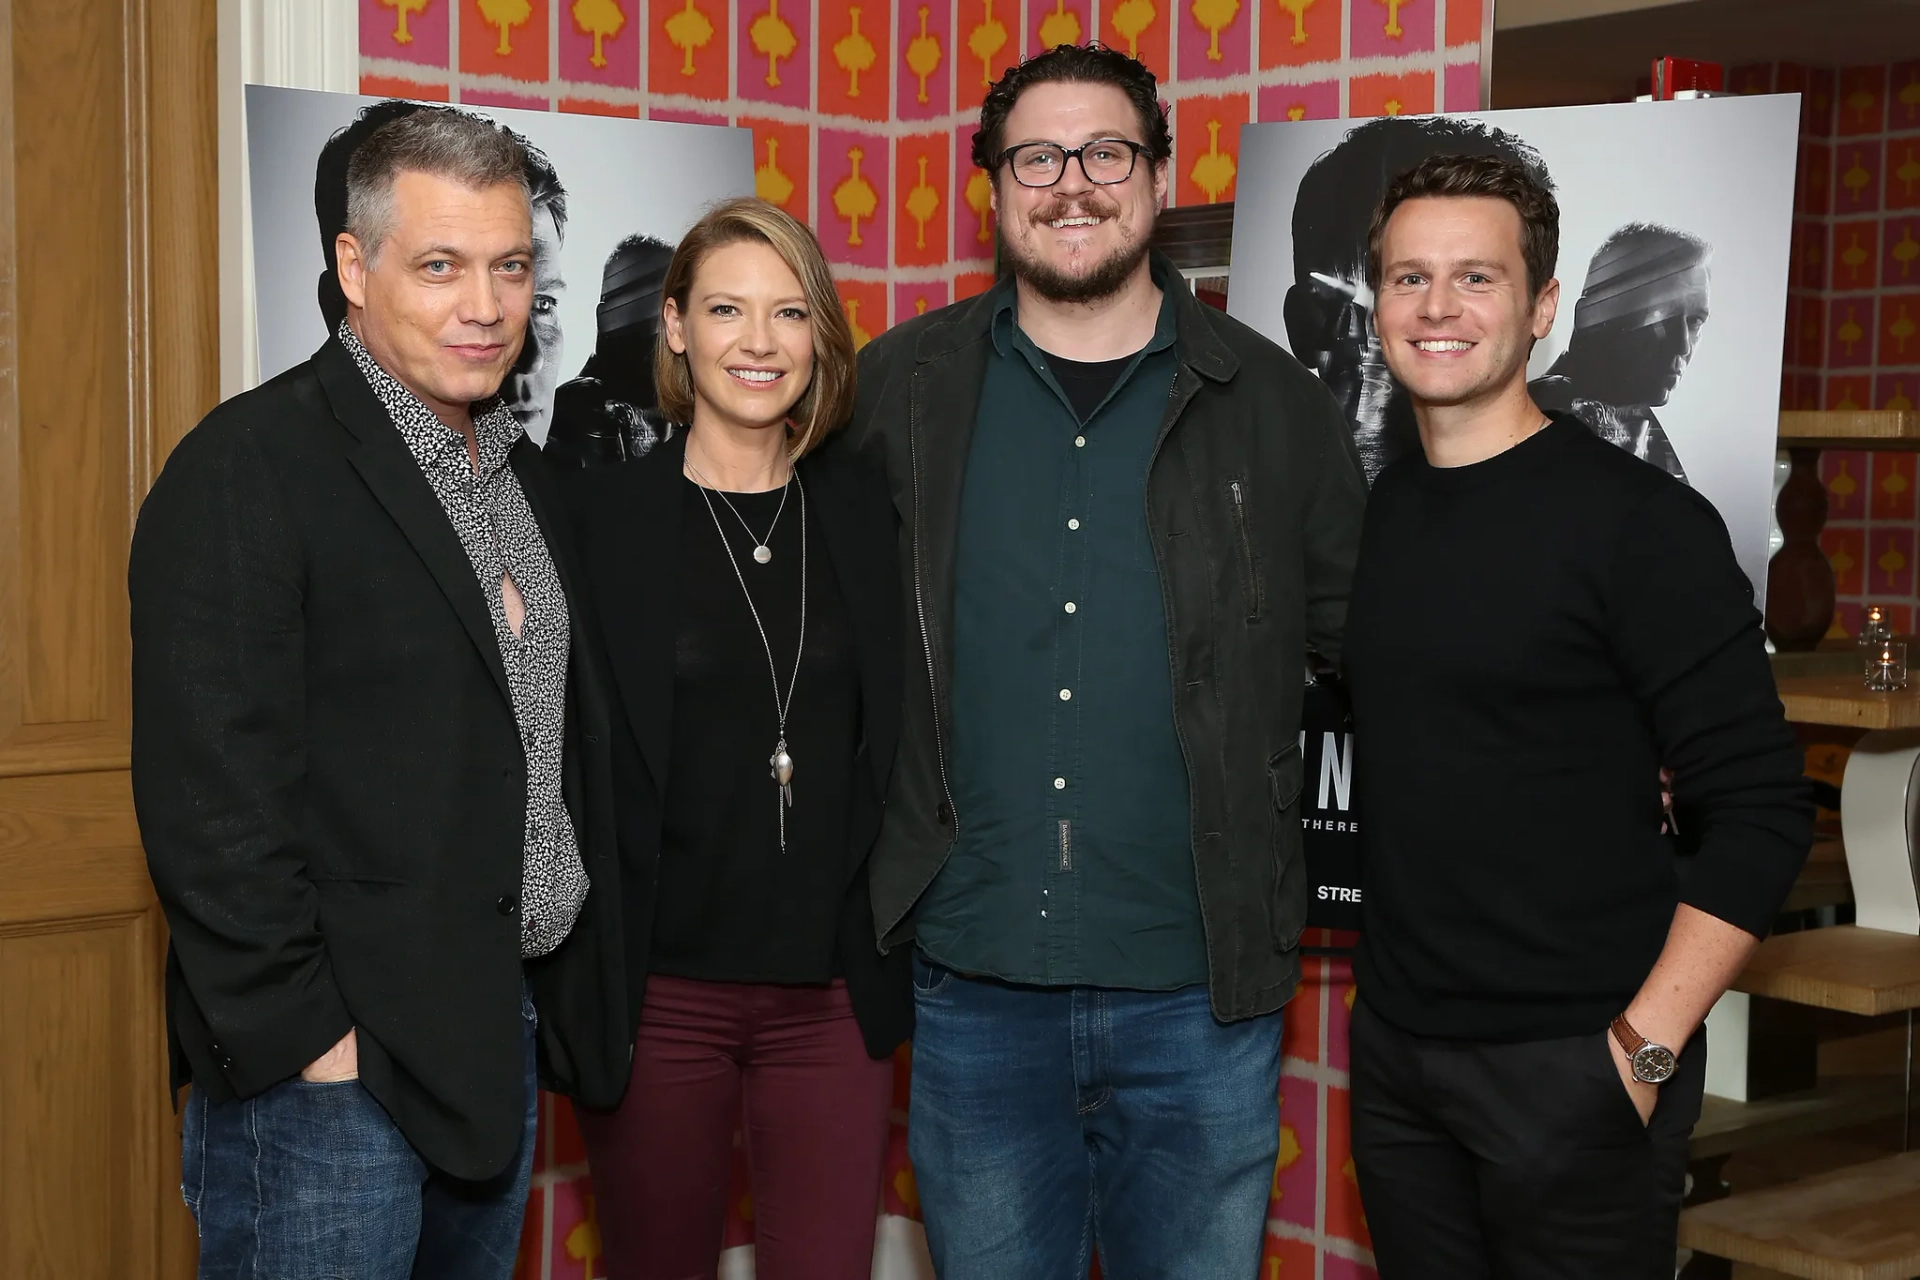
[1059,784]
[1073,523]
[1066,695]
[1079,442]
[1072,607]
[1043,915]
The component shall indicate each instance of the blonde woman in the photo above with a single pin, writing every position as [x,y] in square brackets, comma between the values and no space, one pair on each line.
[743,580]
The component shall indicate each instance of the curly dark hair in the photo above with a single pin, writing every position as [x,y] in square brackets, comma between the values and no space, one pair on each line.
[1091,63]
[1497,177]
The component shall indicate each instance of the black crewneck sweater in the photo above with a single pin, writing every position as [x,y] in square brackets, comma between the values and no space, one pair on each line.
[1530,639]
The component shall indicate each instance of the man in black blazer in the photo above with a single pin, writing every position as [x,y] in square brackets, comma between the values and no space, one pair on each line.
[369,760]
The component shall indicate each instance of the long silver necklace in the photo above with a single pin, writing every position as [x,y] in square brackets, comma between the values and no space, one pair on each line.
[781,761]
[762,548]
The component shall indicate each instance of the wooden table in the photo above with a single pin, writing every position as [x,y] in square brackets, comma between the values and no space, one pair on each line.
[1858,1223]
[1843,700]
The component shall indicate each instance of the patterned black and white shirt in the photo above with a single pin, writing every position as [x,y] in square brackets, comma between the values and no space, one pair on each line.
[489,511]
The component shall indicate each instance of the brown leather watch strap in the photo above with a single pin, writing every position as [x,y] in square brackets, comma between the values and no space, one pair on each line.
[1630,1040]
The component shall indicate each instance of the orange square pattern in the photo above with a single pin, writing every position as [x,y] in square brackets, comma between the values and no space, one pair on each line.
[504,38]
[1297,35]
[1206,147]
[1388,94]
[901,83]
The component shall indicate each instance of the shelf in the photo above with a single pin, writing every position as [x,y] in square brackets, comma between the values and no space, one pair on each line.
[1845,701]
[1865,971]
[1858,1223]
[1850,429]
[1726,1126]
[1829,658]
[1823,881]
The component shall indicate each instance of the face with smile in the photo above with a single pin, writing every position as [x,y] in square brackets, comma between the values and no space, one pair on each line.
[441,304]
[747,334]
[529,391]
[1076,241]
[1454,313]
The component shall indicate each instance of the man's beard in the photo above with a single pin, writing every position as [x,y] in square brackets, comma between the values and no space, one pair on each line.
[1104,279]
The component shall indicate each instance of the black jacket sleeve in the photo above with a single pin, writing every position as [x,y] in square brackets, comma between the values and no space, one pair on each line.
[1688,640]
[219,689]
[1335,512]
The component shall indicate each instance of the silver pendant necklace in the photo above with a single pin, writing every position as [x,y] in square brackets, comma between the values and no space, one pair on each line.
[762,550]
[781,761]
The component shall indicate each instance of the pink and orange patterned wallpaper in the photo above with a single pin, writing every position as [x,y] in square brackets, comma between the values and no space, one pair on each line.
[863,113]
[1853,310]
[862,116]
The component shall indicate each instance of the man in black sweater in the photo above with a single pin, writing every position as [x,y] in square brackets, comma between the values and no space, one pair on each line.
[1539,623]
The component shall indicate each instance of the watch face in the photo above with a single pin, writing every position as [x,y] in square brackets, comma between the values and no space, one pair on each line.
[1653,1064]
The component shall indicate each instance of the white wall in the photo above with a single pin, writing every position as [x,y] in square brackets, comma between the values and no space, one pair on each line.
[296,44]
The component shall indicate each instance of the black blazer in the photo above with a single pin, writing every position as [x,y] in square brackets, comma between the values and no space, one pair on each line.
[627,522]
[330,782]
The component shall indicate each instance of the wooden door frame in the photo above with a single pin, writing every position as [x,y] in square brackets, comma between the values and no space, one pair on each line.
[70,857]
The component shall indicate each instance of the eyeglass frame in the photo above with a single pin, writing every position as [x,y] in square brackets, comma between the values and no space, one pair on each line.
[1069,154]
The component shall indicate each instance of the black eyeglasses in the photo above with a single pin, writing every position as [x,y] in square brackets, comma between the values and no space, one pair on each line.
[1105,161]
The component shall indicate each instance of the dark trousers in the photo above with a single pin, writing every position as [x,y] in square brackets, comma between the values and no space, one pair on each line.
[816,1133]
[1516,1160]
[314,1181]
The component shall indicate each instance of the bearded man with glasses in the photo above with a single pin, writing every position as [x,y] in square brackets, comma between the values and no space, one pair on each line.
[1125,517]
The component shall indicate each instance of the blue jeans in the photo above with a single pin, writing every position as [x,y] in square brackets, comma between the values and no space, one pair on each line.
[315,1182]
[1046,1122]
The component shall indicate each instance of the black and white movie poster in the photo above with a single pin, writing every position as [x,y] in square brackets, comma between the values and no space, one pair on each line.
[611,197]
[1675,219]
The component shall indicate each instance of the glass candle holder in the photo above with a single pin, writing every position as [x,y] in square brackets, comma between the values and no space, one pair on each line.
[1886,666]
[1875,630]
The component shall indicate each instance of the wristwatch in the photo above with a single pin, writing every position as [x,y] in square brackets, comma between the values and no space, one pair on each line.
[1652,1063]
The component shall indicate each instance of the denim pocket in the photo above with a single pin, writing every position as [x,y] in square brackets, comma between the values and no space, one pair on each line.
[929,979]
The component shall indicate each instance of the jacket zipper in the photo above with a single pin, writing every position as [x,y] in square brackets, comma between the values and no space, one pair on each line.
[1249,580]
[920,604]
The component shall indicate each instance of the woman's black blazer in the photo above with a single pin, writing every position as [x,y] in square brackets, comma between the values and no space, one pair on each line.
[626,522]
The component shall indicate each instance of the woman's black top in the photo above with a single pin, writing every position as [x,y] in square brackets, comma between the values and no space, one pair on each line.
[731,905]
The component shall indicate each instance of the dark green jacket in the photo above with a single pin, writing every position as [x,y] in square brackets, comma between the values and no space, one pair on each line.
[1254,503]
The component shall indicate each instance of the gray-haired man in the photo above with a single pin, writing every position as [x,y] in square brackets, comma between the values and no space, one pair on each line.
[367,759]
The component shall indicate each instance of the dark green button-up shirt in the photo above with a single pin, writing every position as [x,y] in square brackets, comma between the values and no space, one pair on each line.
[1074,863]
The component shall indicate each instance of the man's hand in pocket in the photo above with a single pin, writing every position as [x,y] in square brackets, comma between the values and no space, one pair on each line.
[342,1062]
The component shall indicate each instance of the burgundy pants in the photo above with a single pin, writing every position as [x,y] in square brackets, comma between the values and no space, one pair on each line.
[816,1109]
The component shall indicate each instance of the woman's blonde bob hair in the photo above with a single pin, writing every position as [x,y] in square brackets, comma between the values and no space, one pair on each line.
[828,400]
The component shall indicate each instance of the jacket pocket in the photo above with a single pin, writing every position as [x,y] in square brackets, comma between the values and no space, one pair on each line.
[1286,772]
[1250,587]
[1286,775]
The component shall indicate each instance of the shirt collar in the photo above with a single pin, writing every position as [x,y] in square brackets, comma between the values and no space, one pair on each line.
[1006,330]
[430,440]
